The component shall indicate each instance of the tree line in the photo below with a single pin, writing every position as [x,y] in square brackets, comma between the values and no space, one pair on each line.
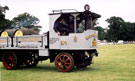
[117,29]
[24,20]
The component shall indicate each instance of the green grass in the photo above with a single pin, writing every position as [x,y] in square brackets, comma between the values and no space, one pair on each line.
[115,63]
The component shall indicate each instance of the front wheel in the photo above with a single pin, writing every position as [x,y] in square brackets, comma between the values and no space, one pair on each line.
[9,60]
[64,62]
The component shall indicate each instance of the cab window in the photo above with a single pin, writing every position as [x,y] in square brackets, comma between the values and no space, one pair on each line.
[65,24]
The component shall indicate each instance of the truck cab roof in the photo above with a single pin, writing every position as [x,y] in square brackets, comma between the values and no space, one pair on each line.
[62,12]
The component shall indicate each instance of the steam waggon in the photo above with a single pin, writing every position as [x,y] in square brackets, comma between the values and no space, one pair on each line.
[70,42]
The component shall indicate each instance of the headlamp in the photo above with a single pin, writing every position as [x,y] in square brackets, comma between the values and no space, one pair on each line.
[87,7]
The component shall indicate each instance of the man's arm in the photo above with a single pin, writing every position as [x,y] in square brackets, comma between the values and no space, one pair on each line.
[56,28]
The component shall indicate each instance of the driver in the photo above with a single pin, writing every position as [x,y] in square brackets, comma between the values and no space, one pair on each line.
[61,27]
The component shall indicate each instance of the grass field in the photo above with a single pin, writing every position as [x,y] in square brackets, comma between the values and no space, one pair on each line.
[115,63]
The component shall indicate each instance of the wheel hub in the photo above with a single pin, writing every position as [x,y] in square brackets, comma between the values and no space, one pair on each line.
[32,60]
[63,63]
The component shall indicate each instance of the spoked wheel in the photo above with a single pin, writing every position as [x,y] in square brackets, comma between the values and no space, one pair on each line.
[9,60]
[64,62]
[32,60]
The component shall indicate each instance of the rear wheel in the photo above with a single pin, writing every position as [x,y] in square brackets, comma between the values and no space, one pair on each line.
[64,62]
[32,60]
[9,60]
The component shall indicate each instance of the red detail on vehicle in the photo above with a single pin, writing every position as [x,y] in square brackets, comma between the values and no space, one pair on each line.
[9,60]
[64,63]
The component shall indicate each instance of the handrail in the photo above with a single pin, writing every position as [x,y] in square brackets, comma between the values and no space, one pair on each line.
[60,11]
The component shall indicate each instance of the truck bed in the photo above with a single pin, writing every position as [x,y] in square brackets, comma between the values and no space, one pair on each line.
[24,42]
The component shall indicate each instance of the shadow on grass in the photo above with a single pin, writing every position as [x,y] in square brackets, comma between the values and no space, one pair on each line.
[86,69]
[39,68]
[50,68]
[42,68]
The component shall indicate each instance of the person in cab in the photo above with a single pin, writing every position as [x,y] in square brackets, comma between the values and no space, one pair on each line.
[61,27]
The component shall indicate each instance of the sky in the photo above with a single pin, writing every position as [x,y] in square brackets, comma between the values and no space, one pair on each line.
[41,9]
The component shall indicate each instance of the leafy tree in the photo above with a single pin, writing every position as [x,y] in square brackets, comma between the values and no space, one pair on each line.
[3,9]
[4,23]
[95,22]
[101,32]
[115,24]
[120,30]
[26,20]
[127,31]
